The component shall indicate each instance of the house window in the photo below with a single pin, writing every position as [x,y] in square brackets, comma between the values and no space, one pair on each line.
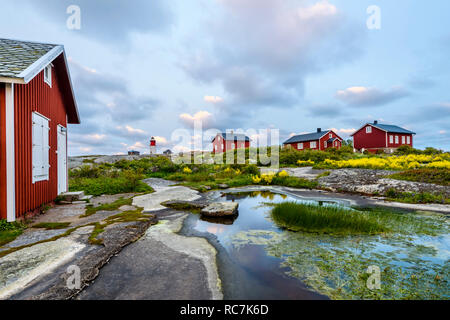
[368,129]
[325,144]
[335,144]
[313,145]
[300,146]
[391,139]
[331,136]
[48,75]
[403,140]
[396,139]
[40,148]
[408,140]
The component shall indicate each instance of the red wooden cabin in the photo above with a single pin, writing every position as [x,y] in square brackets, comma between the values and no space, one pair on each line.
[224,142]
[376,136]
[320,140]
[36,104]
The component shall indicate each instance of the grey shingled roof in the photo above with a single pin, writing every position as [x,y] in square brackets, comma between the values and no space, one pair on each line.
[306,137]
[234,137]
[392,128]
[17,56]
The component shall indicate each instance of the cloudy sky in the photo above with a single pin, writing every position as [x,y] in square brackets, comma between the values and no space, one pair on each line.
[147,68]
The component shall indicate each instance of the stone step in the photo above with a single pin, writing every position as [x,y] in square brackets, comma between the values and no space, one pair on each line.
[86,198]
[73,196]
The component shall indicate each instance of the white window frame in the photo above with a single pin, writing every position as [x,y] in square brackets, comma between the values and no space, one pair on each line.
[396,140]
[48,75]
[403,140]
[391,139]
[368,129]
[313,144]
[40,148]
[331,136]
[300,146]
[325,144]
[408,139]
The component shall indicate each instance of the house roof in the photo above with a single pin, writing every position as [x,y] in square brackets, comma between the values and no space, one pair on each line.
[306,137]
[21,61]
[387,127]
[18,56]
[233,137]
[331,140]
[392,128]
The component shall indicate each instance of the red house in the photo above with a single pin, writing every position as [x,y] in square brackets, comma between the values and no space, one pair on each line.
[320,140]
[375,136]
[36,104]
[224,142]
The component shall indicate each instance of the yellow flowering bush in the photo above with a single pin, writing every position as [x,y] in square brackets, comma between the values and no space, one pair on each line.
[283,174]
[411,161]
[256,179]
[306,163]
[267,178]
[439,165]
[187,170]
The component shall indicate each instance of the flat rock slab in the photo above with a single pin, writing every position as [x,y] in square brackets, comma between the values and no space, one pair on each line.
[221,209]
[165,266]
[19,268]
[152,202]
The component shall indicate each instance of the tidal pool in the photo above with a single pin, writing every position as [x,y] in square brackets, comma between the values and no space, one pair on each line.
[281,264]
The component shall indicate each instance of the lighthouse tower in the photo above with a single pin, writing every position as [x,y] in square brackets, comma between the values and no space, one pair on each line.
[152,145]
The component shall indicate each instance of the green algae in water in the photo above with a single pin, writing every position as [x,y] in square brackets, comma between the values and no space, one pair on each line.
[336,266]
[413,257]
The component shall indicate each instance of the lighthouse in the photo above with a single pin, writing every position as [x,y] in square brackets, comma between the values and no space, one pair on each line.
[153,145]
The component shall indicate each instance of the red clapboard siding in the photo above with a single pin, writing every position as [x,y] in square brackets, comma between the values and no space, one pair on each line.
[2,153]
[36,96]
[376,139]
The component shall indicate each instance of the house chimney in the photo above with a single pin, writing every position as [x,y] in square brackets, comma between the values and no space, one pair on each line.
[375,122]
[319,129]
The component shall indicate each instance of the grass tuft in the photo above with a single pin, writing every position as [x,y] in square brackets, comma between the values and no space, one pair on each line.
[51,225]
[325,219]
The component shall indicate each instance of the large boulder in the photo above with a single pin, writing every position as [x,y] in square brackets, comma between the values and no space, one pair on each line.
[220,209]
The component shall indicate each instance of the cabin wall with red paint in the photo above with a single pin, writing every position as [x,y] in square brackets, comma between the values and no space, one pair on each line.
[375,139]
[36,96]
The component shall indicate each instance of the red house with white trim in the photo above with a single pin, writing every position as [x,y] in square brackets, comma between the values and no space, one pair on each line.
[376,136]
[36,104]
[320,140]
[224,142]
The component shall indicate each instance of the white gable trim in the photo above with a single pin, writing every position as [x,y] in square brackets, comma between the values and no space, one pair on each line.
[367,124]
[10,150]
[29,73]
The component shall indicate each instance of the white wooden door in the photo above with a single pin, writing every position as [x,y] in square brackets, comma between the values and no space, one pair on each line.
[62,160]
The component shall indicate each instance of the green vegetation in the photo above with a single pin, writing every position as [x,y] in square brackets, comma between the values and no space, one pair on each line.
[52,225]
[10,231]
[325,219]
[337,220]
[436,176]
[182,206]
[90,209]
[419,197]
[324,174]
[98,180]
[126,216]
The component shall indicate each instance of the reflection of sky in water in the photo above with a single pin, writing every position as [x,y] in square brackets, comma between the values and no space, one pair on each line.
[254,227]
[253,215]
